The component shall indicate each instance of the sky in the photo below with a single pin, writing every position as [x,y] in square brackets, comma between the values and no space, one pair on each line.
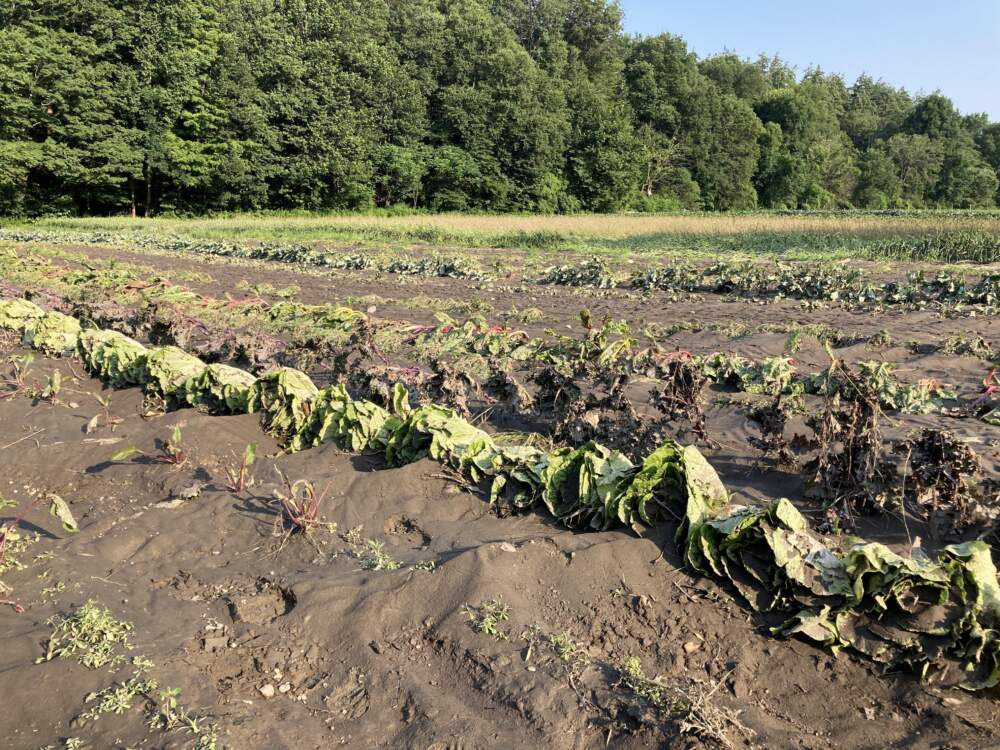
[951,45]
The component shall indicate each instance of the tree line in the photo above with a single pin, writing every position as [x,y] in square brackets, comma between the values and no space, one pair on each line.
[191,106]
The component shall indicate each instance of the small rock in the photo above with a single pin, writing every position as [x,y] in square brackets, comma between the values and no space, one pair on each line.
[170,504]
[691,646]
[267,691]
[190,493]
[284,687]
[507,547]
[216,643]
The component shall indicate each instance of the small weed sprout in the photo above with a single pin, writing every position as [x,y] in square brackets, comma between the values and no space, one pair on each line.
[238,474]
[691,706]
[649,690]
[16,383]
[488,616]
[353,536]
[103,418]
[13,543]
[170,715]
[50,392]
[377,558]
[564,645]
[117,699]
[173,449]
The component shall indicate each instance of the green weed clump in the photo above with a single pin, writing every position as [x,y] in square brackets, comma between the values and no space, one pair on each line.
[91,634]
[488,618]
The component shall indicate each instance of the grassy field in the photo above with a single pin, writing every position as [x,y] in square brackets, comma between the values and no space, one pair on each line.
[948,236]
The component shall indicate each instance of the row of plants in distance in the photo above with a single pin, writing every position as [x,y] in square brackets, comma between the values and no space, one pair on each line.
[809,282]
[922,238]
[866,597]
[298,334]
[468,359]
[813,281]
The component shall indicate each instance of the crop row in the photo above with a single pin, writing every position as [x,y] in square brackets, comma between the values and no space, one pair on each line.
[299,334]
[808,282]
[914,241]
[868,597]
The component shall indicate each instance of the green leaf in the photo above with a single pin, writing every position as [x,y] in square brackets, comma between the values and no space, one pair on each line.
[126,454]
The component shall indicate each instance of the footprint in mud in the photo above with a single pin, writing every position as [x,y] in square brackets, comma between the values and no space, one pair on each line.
[350,699]
[263,607]
[406,527]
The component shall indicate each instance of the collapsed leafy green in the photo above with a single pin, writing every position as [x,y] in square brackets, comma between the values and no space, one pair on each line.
[113,356]
[54,333]
[220,389]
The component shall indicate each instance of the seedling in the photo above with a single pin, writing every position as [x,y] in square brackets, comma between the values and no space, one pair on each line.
[488,616]
[170,715]
[11,540]
[50,393]
[377,559]
[652,691]
[564,645]
[104,418]
[301,505]
[239,474]
[691,705]
[16,383]
[117,699]
[172,451]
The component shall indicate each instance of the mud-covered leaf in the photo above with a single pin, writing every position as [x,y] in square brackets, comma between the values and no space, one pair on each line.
[59,509]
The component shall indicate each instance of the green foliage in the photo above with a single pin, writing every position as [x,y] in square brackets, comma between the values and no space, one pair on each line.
[594,274]
[165,370]
[113,356]
[220,389]
[181,106]
[488,618]
[16,314]
[54,334]
[376,558]
[868,598]
[285,396]
[91,634]
[117,699]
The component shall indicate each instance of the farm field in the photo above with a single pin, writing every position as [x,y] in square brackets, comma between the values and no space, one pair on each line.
[623,482]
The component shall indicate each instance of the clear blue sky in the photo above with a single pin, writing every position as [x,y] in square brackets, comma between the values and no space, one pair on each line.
[951,45]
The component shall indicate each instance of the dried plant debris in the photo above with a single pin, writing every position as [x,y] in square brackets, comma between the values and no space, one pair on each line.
[944,482]
[771,419]
[850,469]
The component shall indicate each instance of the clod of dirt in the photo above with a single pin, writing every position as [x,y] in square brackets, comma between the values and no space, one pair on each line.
[262,608]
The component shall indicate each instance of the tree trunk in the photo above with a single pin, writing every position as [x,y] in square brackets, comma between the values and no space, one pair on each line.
[131,190]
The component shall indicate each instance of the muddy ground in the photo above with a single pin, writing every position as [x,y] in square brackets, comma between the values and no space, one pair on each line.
[283,641]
